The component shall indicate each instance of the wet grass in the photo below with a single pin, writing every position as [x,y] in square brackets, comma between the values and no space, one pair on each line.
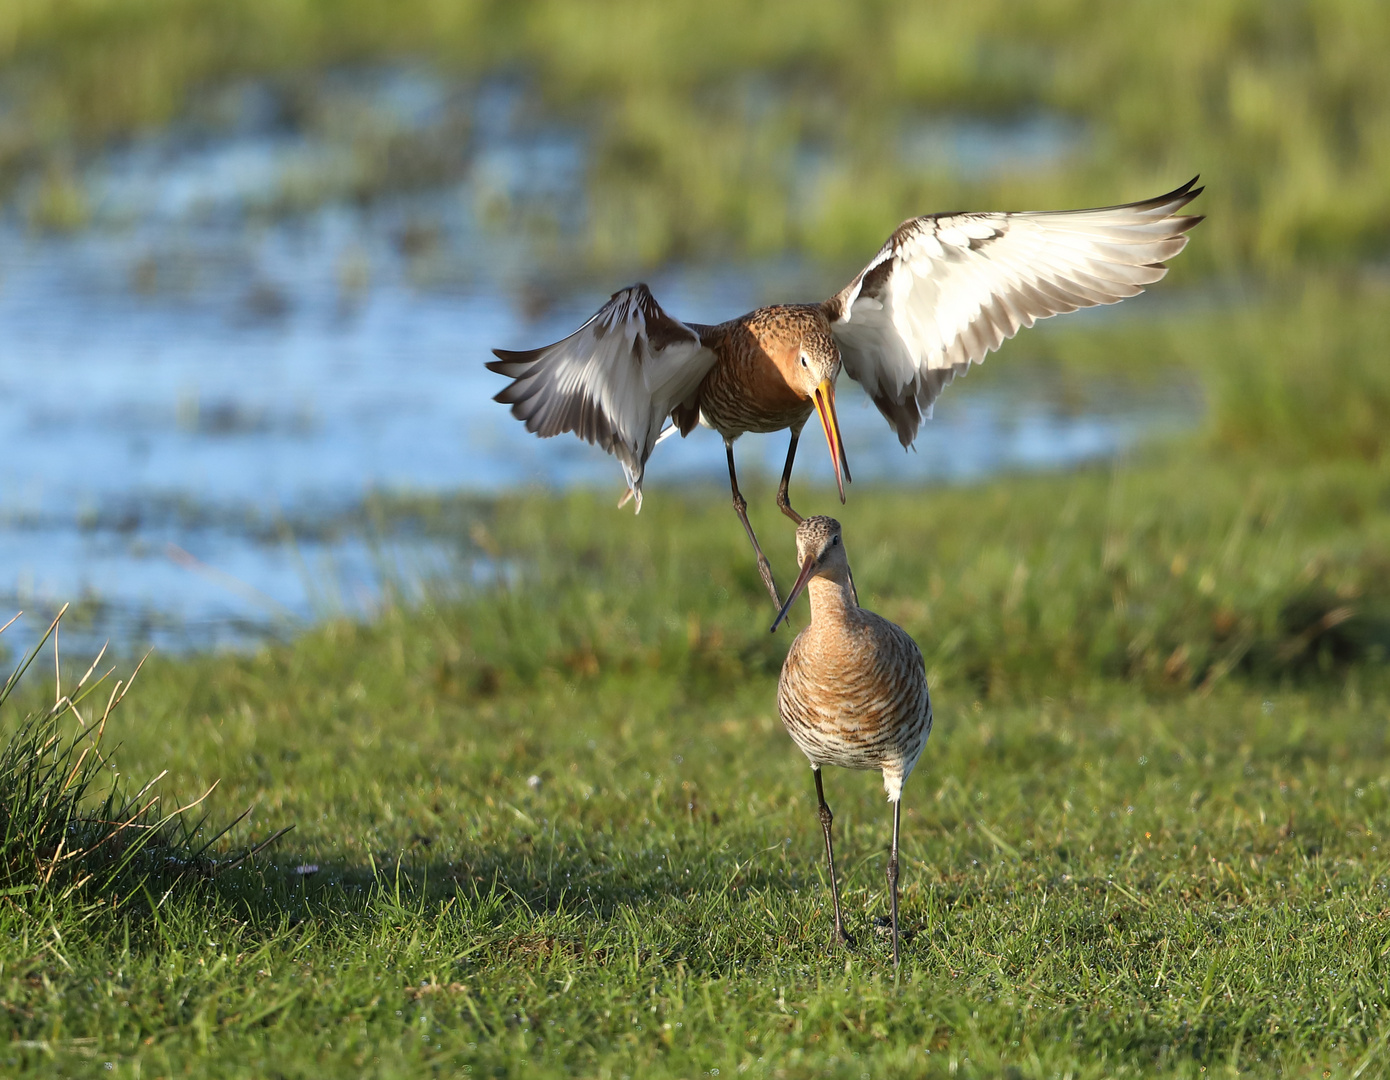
[554,826]
[722,128]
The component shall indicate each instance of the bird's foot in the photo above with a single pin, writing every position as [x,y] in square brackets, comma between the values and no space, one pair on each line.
[883,927]
[843,938]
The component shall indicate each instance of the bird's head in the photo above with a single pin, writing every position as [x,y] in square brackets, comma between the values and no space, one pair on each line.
[817,360]
[813,376]
[821,553]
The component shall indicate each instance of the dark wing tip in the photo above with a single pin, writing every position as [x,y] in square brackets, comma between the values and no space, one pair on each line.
[639,288]
[512,363]
[1181,225]
[1180,196]
[1182,189]
[1183,192]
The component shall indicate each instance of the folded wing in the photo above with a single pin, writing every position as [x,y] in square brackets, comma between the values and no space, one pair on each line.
[947,289]
[613,382]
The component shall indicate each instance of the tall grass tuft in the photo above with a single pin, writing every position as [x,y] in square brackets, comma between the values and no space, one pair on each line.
[71,827]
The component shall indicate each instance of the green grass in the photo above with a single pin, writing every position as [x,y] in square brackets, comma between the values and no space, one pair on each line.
[1144,837]
[707,118]
[76,837]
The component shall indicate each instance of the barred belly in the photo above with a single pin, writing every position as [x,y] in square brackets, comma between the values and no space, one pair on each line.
[868,712]
[727,406]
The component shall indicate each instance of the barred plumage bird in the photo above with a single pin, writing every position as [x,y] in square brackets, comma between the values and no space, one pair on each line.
[853,690]
[942,293]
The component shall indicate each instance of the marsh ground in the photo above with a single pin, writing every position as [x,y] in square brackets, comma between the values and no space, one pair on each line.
[545,819]
[1145,836]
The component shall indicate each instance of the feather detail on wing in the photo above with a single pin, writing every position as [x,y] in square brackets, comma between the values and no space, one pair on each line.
[948,289]
[613,382]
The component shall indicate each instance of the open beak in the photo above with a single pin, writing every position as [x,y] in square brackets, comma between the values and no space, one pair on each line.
[824,399]
[806,569]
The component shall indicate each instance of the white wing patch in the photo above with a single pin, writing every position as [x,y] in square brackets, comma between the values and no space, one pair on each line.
[948,289]
[613,382]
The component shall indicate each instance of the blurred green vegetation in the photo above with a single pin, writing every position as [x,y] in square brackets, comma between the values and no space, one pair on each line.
[1298,371]
[721,126]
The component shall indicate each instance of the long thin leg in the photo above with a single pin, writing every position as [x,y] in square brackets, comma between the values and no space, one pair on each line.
[826,817]
[741,506]
[784,502]
[893,875]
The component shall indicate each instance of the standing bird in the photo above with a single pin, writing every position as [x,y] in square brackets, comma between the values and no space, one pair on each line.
[853,690]
[944,291]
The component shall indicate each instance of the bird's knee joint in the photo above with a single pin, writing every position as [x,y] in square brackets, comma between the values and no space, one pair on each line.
[784,504]
[826,817]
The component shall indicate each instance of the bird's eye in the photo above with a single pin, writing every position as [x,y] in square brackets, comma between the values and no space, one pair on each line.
[834,540]
[804,363]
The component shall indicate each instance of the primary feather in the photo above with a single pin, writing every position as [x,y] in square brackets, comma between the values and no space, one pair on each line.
[613,382]
[947,289]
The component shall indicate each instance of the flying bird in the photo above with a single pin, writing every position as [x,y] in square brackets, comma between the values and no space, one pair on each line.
[942,293]
[853,690]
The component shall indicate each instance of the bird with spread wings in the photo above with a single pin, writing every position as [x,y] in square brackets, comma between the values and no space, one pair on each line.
[941,294]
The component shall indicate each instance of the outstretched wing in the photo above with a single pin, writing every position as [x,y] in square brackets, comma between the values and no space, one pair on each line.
[612,382]
[947,289]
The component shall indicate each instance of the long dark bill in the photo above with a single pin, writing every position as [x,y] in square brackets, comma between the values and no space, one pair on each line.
[806,568]
[825,407]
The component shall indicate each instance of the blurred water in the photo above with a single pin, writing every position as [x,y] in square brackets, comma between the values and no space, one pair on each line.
[240,347]
[975,148]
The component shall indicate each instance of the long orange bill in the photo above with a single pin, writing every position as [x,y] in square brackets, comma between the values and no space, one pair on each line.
[806,568]
[825,407]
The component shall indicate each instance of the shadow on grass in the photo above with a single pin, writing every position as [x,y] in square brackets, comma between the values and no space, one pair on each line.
[299,886]
[506,904]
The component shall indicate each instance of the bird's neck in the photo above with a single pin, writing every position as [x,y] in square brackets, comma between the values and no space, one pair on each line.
[831,597]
